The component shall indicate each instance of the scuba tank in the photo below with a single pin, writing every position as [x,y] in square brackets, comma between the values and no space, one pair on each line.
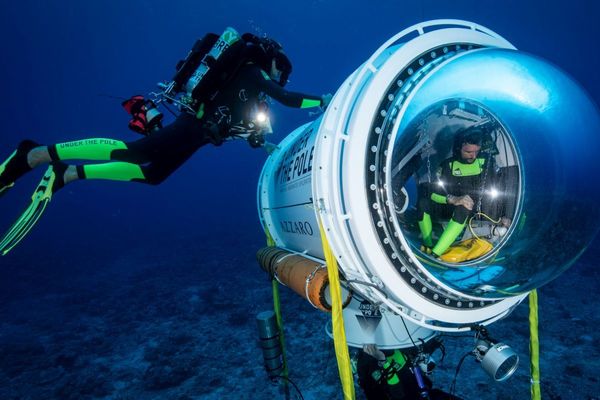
[211,63]
[224,42]
[208,67]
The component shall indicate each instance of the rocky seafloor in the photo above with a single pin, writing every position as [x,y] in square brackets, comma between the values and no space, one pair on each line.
[180,324]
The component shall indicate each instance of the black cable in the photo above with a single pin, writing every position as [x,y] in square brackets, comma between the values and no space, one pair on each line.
[293,384]
[407,331]
[455,336]
[453,385]
[438,344]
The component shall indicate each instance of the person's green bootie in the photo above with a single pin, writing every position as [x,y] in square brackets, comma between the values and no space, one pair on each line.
[426,230]
[448,237]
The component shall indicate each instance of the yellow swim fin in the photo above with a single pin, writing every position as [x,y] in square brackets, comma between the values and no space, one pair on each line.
[50,183]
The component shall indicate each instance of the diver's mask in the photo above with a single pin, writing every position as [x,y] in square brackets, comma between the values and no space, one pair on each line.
[282,67]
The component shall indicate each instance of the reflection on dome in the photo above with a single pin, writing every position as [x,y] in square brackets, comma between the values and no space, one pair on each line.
[485,191]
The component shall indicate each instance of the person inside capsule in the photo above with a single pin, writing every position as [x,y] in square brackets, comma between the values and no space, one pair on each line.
[457,194]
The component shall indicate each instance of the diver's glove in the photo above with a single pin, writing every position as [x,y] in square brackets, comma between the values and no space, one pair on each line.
[325,100]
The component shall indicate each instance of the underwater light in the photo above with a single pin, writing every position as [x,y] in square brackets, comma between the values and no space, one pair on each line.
[362,168]
[498,360]
[261,117]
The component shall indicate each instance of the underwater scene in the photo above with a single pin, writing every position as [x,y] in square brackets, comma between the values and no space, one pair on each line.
[316,199]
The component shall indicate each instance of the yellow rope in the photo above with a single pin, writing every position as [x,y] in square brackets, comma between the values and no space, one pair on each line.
[337,319]
[534,346]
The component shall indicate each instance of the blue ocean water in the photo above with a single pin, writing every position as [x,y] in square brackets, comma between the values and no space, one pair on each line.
[128,291]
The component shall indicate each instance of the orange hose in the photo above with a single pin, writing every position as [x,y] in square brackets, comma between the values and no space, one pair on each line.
[304,276]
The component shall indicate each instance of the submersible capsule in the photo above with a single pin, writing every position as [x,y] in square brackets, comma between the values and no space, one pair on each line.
[389,126]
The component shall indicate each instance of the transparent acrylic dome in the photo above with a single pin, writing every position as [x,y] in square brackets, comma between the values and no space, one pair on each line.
[534,206]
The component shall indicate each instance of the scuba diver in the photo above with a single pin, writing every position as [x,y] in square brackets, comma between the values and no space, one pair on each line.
[457,194]
[221,90]
[398,375]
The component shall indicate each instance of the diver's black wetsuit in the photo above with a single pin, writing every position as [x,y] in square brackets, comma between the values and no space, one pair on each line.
[153,158]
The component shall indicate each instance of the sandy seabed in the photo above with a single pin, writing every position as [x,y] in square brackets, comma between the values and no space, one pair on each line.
[144,325]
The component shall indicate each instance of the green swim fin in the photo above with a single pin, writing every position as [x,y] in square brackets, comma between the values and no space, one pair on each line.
[4,187]
[50,183]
